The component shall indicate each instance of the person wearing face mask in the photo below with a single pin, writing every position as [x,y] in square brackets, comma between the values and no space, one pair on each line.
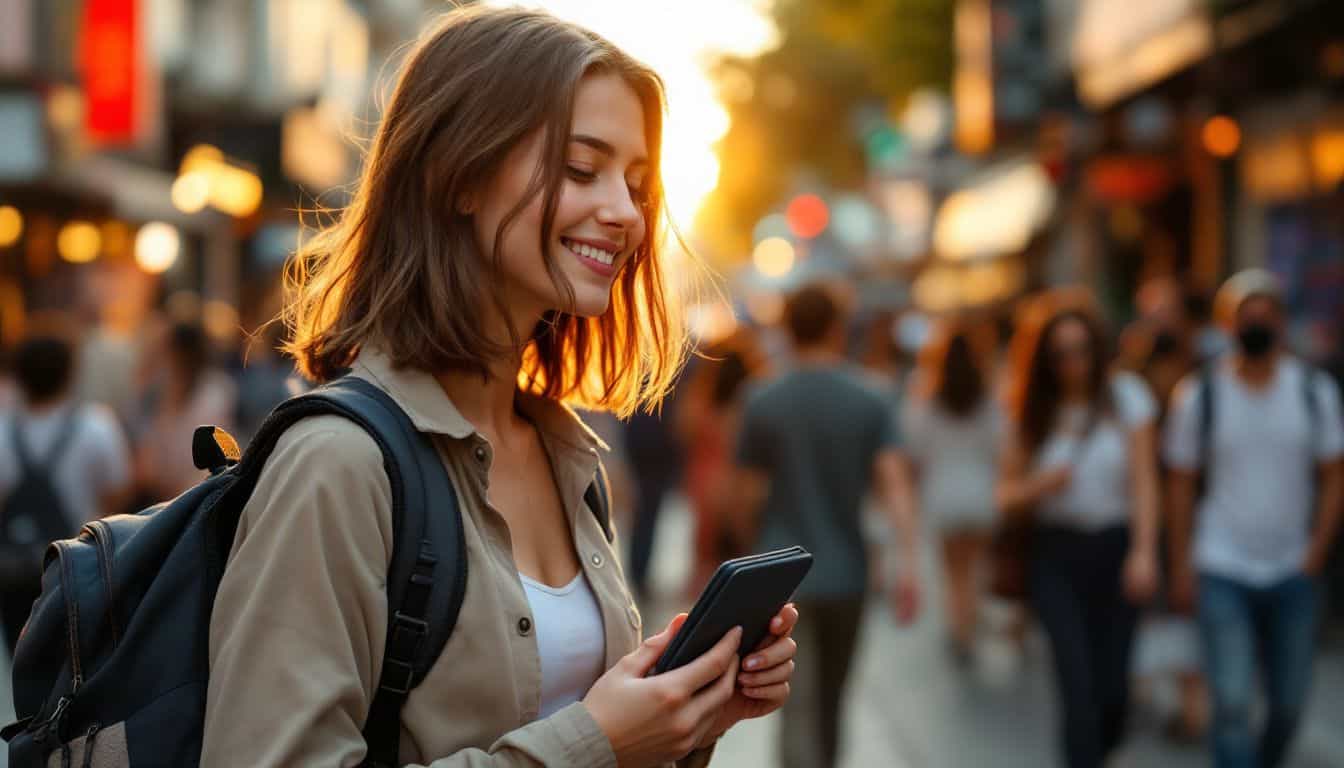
[1260,431]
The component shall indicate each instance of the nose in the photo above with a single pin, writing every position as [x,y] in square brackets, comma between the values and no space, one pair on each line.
[618,207]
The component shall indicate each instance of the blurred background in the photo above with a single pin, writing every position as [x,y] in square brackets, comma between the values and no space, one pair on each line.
[926,159]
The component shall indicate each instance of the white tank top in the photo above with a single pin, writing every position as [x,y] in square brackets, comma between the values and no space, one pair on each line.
[570,640]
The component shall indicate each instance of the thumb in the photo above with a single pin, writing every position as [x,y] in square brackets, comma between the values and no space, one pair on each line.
[646,655]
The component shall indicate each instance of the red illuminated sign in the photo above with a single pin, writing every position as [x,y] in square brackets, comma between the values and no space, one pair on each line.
[109,67]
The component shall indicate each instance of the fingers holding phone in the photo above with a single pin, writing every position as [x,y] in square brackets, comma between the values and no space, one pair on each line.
[660,719]
[772,663]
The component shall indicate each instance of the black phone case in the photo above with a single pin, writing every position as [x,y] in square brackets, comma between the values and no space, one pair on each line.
[747,592]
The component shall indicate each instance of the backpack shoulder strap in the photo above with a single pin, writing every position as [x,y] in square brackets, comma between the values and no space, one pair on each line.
[425,563]
[20,445]
[1309,394]
[64,435]
[1206,413]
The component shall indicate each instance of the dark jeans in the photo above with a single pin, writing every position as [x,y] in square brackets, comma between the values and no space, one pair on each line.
[1078,593]
[827,635]
[651,485]
[1239,624]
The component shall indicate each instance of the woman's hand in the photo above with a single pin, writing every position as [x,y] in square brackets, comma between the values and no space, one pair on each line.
[661,719]
[905,596]
[1140,575]
[1054,480]
[763,683]
[1184,589]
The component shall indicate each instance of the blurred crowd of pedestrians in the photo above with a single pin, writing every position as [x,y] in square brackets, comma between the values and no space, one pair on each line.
[94,423]
[1083,474]
[1185,471]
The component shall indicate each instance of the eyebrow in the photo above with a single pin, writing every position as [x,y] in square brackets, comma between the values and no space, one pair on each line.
[603,147]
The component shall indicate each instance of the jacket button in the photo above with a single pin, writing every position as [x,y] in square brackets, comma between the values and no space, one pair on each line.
[524,626]
[480,453]
[597,559]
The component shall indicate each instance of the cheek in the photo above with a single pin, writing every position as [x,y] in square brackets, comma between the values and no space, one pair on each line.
[520,243]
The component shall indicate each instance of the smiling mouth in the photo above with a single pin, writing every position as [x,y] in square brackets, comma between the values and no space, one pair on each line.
[586,251]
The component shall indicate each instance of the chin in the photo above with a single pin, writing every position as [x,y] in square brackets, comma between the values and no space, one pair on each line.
[590,303]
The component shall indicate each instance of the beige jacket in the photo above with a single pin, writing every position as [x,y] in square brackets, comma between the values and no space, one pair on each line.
[299,624]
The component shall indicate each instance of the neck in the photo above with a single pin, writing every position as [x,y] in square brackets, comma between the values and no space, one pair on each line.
[488,402]
[1256,371]
[821,354]
[1076,393]
[485,402]
[44,406]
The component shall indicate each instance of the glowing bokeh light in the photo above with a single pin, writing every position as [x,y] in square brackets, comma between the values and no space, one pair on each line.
[78,242]
[156,247]
[1222,136]
[808,216]
[773,257]
[191,191]
[11,225]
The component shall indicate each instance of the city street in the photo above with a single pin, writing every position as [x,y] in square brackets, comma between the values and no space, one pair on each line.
[910,707]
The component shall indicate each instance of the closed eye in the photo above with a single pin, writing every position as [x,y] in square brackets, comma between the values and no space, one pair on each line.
[579,174]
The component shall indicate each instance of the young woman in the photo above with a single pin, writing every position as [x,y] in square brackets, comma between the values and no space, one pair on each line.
[501,257]
[1082,461]
[952,425]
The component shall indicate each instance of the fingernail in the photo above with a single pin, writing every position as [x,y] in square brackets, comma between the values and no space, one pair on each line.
[776,623]
[753,662]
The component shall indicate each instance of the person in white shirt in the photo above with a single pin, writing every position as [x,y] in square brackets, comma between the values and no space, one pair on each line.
[80,446]
[1264,430]
[1082,461]
[952,425]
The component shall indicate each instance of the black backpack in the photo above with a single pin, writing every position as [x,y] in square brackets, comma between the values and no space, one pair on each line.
[32,514]
[117,645]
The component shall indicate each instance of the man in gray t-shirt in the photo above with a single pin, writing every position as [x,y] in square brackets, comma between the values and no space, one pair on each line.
[813,442]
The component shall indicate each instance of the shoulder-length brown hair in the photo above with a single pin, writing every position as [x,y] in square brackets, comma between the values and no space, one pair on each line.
[400,271]
[1036,391]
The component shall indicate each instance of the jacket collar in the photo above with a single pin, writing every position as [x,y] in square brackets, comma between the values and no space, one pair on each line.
[431,410]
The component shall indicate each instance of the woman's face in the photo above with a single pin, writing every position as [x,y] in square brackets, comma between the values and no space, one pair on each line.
[1071,352]
[599,220]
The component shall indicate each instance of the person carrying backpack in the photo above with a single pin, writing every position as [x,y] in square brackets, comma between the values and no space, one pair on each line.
[502,257]
[62,463]
[1260,431]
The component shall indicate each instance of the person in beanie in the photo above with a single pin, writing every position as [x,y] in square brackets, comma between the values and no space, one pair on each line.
[1260,431]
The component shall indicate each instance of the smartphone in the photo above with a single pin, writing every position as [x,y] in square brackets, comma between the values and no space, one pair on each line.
[746,592]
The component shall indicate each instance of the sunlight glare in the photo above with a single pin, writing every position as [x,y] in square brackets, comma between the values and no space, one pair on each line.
[677,40]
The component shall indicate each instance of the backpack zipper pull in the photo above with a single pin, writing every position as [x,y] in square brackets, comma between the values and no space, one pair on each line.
[53,723]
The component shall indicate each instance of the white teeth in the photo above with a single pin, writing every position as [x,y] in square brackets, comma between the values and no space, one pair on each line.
[596,254]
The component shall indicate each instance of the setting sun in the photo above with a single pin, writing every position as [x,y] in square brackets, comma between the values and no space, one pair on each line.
[676,39]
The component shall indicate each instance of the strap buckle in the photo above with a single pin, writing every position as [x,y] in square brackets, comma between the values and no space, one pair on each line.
[403,674]
[410,623]
[402,646]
